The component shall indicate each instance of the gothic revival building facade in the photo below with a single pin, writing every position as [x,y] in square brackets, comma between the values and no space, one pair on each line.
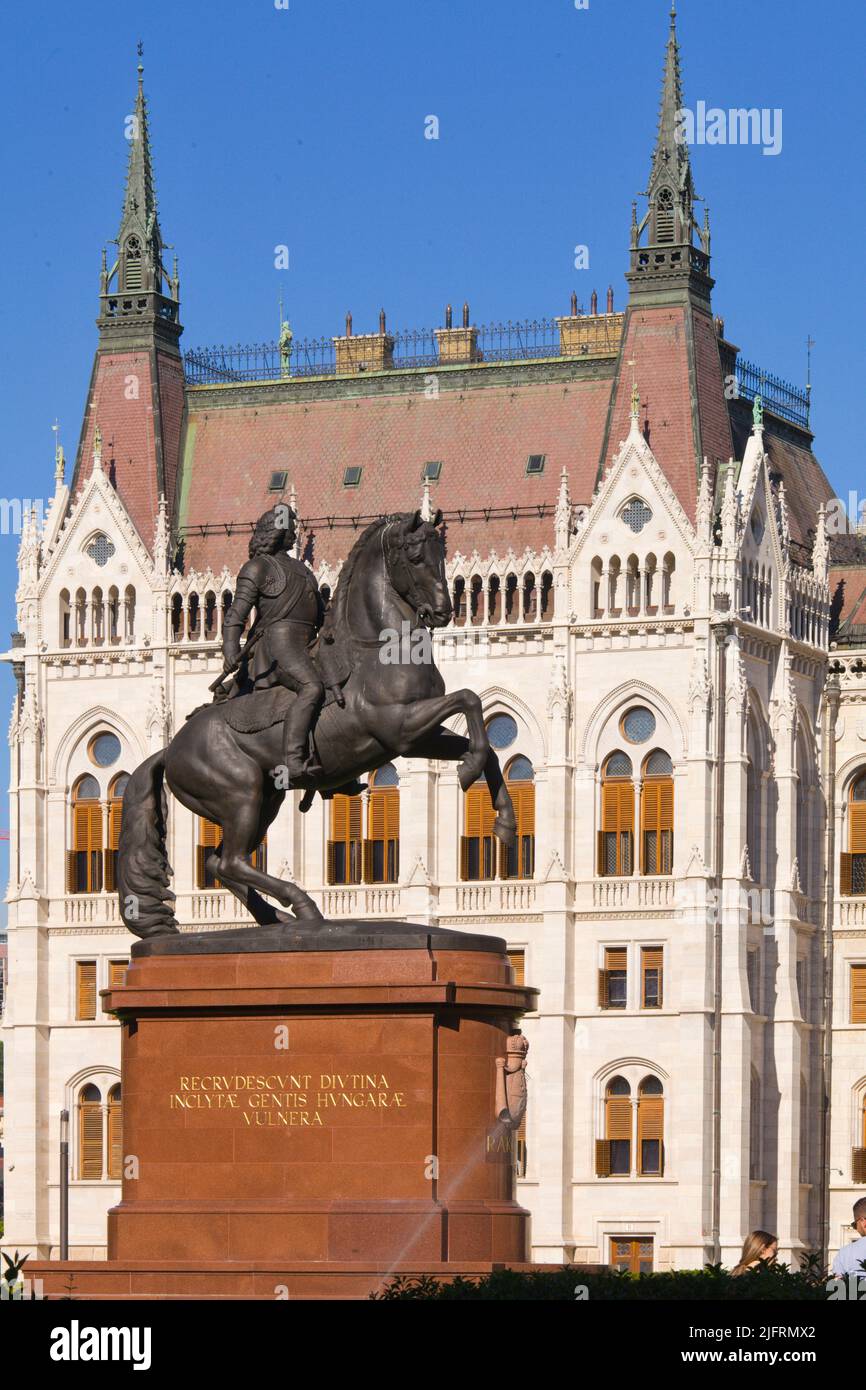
[665,641]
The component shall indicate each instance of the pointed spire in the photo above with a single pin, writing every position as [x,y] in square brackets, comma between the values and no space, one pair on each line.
[670,217]
[139,269]
[704,514]
[562,516]
[729,509]
[821,548]
[160,538]
[784,519]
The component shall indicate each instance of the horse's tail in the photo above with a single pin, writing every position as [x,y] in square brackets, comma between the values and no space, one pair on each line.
[143,870]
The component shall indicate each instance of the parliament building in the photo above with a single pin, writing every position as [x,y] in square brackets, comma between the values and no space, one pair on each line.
[669,646]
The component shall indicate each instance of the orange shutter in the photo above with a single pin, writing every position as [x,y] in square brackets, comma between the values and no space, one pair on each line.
[846,875]
[115,1149]
[651,1125]
[517,960]
[617,818]
[90,1139]
[85,973]
[857,827]
[858,1165]
[478,818]
[117,972]
[858,993]
[603,992]
[602,1158]
[618,1117]
[346,814]
[71,875]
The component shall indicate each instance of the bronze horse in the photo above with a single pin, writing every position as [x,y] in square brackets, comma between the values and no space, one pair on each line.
[226,770]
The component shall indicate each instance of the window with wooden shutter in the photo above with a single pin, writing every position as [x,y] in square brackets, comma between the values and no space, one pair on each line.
[89,1133]
[616,837]
[858,1165]
[115,1128]
[117,972]
[858,995]
[657,818]
[84,859]
[85,989]
[344,845]
[518,860]
[478,845]
[853,866]
[652,977]
[613,979]
[382,845]
[517,961]
[650,1127]
[209,837]
[115,809]
[618,1126]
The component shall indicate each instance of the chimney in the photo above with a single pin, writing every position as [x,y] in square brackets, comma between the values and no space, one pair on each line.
[364,352]
[457,345]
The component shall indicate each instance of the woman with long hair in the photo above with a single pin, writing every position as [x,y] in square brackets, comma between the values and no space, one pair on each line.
[758,1248]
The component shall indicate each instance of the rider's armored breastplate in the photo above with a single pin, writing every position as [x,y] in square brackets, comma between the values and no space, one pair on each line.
[287,591]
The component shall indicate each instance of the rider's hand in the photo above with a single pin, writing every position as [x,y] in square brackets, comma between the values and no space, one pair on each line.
[231,655]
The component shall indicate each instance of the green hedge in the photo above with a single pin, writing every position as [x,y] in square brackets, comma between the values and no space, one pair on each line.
[772,1283]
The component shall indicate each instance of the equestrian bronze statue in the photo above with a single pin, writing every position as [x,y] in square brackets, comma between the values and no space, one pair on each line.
[295,710]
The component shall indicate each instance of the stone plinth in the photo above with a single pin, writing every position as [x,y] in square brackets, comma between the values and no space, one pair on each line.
[312,1119]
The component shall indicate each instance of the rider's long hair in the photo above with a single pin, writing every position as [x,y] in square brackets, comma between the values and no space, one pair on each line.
[266,528]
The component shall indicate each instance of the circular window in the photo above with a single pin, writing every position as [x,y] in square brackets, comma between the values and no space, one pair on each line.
[519,770]
[105,749]
[502,731]
[639,725]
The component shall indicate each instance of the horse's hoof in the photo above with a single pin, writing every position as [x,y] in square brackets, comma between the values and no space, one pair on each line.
[469,771]
[505,831]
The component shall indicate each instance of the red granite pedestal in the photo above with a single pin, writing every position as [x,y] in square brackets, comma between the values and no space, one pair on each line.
[307,1124]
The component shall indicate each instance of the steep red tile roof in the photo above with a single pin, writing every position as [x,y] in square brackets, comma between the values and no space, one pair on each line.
[482,435]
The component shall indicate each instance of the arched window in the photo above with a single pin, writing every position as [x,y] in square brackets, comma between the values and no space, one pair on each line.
[616,836]
[382,845]
[518,860]
[90,1146]
[651,1127]
[458,601]
[115,811]
[132,273]
[129,613]
[84,859]
[209,837]
[613,1152]
[665,217]
[193,617]
[853,864]
[113,614]
[65,619]
[547,595]
[669,565]
[210,616]
[657,815]
[80,618]
[177,617]
[97,611]
[512,603]
[344,845]
[858,1161]
[115,1127]
[596,603]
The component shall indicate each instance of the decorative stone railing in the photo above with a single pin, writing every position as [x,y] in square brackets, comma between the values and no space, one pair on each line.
[634,893]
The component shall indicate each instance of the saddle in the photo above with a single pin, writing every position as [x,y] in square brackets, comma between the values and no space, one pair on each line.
[252,711]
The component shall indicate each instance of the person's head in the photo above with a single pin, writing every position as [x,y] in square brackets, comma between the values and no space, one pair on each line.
[759,1245]
[275,530]
[859,1222]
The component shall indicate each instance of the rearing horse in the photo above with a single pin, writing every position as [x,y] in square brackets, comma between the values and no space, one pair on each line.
[225,769]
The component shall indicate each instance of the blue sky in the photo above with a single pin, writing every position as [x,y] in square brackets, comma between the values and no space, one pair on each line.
[305,127]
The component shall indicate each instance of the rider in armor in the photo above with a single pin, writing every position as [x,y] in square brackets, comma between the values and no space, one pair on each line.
[289,613]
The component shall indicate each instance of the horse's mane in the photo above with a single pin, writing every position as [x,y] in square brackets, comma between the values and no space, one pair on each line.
[345,578]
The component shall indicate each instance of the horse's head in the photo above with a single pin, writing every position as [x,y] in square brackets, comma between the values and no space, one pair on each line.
[415,556]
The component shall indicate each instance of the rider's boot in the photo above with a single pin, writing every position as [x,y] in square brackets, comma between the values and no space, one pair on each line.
[299,768]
